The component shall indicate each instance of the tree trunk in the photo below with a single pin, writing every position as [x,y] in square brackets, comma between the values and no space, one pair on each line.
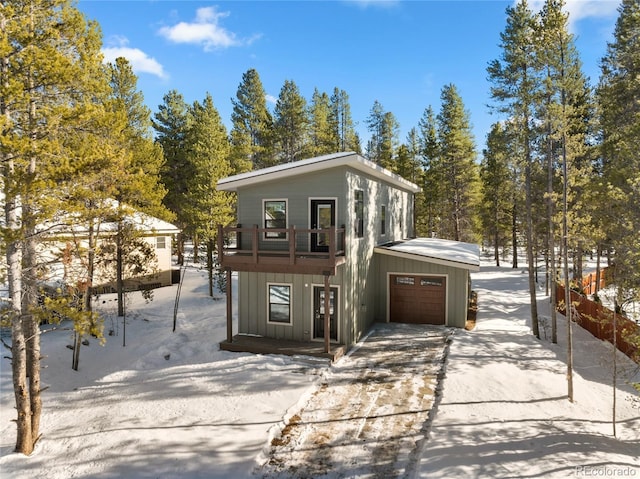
[514,236]
[210,248]
[530,258]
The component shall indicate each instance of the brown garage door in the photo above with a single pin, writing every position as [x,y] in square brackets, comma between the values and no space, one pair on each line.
[417,299]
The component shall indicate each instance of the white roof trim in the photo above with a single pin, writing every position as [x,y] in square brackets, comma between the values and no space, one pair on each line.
[310,165]
[438,251]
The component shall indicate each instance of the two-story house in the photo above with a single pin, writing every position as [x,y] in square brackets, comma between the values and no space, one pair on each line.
[331,234]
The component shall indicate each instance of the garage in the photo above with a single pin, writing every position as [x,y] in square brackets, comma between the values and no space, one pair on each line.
[424,281]
[417,299]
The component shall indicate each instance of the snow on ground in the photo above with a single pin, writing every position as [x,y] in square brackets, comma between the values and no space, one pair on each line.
[172,405]
[504,411]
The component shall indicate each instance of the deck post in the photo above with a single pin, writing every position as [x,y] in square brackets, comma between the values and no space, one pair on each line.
[327,316]
[229,307]
[292,244]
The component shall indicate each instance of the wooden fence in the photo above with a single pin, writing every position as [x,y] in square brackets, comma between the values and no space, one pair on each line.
[589,282]
[598,320]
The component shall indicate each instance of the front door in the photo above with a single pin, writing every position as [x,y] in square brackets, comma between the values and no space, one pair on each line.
[318,313]
[323,216]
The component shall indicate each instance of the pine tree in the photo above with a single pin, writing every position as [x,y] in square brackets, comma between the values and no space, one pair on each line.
[323,138]
[429,221]
[566,111]
[251,133]
[207,152]
[171,123]
[291,124]
[139,187]
[619,108]
[515,79]
[497,188]
[342,123]
[619,114]
[457,157]
[51,77]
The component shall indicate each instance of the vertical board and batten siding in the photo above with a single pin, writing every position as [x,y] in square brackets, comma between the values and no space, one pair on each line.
[297,192]
[360,278]
[457,285]
[252,305]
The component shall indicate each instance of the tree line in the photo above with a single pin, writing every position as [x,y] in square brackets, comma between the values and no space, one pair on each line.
[559,172]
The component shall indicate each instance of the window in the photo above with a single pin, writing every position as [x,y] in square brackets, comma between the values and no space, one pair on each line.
[359,205]
[408,280]
[279,303]
[275,216]
[383,220]
[161,242]
[431,282]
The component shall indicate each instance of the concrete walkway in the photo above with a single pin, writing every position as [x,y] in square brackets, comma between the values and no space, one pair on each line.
[368,417]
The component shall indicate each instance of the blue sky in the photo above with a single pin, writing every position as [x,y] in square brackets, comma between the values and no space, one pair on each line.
[400,53]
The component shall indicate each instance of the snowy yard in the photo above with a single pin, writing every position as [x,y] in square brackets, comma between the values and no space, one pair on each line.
[172,405]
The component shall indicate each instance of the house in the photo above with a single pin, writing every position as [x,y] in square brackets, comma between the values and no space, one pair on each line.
[155,234]
[333,234]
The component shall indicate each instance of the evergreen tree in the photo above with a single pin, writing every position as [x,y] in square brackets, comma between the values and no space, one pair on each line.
[375,125]
[291,124]
[515,89]
[497,187]
[457,157]
[566,112]
[429,221]
[139,186]
[342,123]
[51,84]
[207,152]
[171,122]
[323,137]
[619,112]
[251,133]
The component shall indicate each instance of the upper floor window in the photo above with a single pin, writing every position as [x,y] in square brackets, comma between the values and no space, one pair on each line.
[383,220]
[161,242]
[275,216]
[359,211]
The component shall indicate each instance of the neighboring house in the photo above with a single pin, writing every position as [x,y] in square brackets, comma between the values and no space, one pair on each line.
[157,235]
[332,234]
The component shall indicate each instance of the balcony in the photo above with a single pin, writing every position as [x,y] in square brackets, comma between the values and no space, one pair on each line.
[281,250]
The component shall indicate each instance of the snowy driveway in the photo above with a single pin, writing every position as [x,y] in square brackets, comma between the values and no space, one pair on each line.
[368,416]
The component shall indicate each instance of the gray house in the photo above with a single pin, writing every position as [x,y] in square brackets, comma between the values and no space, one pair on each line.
[331,234]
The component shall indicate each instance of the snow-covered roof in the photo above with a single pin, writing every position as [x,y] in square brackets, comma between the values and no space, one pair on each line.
[435,250]
[349,158]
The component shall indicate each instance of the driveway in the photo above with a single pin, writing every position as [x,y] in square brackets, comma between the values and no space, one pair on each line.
[369,415]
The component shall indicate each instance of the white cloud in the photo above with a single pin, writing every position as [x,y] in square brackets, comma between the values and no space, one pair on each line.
[271,99]
[140,61]
[205,30]
[580,9]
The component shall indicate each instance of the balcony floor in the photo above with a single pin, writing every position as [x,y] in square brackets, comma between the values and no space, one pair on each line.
[261,345]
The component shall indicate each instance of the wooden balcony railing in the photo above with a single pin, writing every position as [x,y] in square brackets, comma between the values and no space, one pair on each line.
[281,250]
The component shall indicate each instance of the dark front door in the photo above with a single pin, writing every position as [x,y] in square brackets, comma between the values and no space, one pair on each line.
[323,216]
[319,312]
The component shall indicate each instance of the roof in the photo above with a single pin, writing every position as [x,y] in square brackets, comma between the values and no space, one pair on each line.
[434,250]
[150,225]
[310,165]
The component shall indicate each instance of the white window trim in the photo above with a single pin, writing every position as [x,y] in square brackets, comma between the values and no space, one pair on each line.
[286,215]
[290,323]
